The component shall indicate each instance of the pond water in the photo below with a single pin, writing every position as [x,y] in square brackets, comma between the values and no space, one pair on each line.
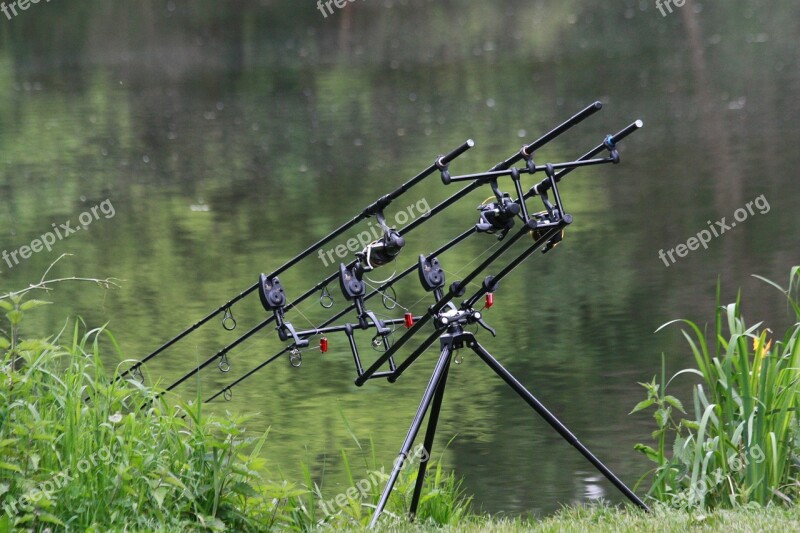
[226,139]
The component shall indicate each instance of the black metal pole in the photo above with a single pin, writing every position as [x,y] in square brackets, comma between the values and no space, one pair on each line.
[433,419]
[427,398]
[484,177]
[610,142]
[381,203]
[554,422]
[528,150]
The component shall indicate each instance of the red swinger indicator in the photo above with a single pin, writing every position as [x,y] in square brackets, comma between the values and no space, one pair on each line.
[409,319]
[489,300]
[323,345]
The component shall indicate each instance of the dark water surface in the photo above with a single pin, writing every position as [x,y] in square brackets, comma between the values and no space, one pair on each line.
[229,136]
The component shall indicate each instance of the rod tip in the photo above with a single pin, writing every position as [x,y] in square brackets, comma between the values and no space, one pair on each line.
[639,123]
[598,105]
[470,143]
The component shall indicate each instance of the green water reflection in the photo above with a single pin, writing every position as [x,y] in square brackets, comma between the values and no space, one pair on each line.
[228,137]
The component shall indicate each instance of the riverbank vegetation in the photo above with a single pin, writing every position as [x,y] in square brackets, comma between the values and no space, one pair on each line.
[84,449]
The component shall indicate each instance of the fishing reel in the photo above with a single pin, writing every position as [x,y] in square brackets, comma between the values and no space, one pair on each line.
[382,251]
[498,216]
[544,221]
[553,215]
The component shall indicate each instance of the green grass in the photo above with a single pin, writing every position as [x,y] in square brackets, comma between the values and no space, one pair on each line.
[607,520]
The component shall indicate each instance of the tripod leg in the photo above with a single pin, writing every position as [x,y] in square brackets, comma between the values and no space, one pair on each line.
[554,422]
[414,356]
[427,397]
[433,419]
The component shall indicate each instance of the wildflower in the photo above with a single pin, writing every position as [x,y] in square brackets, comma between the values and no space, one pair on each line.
[760,347]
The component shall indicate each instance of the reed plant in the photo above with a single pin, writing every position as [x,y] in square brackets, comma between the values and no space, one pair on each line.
[741,442]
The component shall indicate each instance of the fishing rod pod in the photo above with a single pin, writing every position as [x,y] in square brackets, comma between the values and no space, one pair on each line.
[448,319]
[375,209]
[441,164]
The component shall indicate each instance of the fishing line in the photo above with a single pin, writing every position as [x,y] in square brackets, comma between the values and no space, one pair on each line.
[386,296]
[381,282]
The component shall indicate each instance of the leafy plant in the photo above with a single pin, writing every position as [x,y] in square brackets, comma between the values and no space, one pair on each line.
[742,443]
[82,451]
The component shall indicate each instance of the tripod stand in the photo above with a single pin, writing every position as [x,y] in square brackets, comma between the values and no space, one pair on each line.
[451,340]
[449,322]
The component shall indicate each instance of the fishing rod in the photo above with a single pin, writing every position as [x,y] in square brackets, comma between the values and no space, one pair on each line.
[526,152]
[229,323]
[222,353]
[286,330]
[458,288]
